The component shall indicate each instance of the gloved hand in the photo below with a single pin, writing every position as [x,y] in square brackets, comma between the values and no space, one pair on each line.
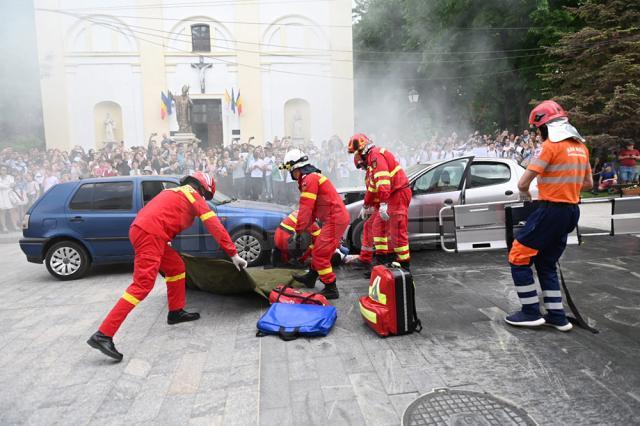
[363,212]
[524,196]
[383,212]
[239,262]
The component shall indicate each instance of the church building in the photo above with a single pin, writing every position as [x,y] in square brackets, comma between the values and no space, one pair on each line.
[115,71]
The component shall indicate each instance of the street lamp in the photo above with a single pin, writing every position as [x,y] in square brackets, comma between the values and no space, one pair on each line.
[414,96]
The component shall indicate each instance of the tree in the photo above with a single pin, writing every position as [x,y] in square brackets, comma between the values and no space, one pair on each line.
[596,75]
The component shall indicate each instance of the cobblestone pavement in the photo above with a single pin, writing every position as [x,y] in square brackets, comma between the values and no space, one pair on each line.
[215,371]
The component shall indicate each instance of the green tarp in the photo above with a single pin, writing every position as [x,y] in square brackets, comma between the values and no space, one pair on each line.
[219,276]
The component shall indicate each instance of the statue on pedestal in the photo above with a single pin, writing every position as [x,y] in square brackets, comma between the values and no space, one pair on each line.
[298,126]
[184,104]
[109,129]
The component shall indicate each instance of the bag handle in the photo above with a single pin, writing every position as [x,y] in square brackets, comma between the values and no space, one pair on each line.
[289,335]
[287,285]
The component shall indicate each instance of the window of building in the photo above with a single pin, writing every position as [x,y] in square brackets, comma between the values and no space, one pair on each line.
[103,196]
[200,38]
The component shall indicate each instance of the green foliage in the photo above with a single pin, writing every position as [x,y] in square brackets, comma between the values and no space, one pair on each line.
[597,71]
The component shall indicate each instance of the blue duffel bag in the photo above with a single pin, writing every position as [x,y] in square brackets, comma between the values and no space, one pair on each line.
[290,321]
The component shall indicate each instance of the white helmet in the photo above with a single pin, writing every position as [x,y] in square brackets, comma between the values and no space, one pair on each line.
[294,159]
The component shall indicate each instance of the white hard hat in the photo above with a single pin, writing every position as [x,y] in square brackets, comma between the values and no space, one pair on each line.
[294,159]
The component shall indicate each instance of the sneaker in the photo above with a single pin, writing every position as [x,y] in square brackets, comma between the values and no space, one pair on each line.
[561,324]
[521,319]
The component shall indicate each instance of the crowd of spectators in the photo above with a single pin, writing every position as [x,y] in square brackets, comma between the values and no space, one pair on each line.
[250,170]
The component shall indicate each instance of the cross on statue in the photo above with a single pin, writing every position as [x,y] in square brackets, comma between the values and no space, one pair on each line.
[201,66]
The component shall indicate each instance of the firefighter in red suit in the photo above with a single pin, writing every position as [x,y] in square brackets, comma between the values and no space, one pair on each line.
[284,232]
[367,214]
[318,201]
[166,215]
[390,228]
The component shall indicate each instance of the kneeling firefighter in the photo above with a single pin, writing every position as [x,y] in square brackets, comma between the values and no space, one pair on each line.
[562,169]
[318,201]
[391,221]
[165,216]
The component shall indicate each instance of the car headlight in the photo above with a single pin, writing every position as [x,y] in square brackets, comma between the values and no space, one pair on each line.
[25,221]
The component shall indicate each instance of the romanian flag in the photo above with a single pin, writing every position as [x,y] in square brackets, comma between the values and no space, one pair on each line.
[233,103]
[239,103]
[227,98]
[165,105]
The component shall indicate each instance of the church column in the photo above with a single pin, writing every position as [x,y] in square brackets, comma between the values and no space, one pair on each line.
[249,73]
[341,67]
[153,72]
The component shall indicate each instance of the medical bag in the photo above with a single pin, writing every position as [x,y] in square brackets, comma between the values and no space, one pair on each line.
[290,321]
[285,294]
[390,307]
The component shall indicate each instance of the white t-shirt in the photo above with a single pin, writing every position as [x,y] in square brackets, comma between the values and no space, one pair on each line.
[50,181]
[256,168]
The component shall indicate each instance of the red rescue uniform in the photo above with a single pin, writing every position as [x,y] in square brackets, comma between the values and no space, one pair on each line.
[393,189]
[371,199]
[319,200]
[165,216]
[286,229]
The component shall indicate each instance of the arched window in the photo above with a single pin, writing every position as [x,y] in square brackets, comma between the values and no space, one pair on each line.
[200,38]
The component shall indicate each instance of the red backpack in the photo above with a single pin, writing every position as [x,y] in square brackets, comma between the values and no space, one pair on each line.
[390,307]
[285,294]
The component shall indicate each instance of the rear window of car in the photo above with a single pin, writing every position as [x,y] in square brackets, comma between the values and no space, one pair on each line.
[103,196]
[151,188]
[485,174]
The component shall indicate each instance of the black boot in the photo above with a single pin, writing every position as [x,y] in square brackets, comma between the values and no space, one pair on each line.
[330,291]
[308,279]
[176,317]
[104,344]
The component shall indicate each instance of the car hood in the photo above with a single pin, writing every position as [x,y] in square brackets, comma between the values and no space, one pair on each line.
[257,205]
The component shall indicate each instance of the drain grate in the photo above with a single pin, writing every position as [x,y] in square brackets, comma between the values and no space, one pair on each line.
[459,407]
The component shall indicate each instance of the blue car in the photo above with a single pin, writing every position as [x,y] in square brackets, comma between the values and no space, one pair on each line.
[78,224]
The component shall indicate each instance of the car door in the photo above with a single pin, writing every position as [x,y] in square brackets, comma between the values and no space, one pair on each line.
[101,213]
[439,186]
[490,181]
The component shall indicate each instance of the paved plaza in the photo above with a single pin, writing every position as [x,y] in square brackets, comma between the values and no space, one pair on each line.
[215,371]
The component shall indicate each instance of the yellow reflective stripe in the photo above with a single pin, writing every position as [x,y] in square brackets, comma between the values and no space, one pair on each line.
[322,180]
[293,218]
[187,193]
[382,173]
[382,247]
[403,248]
[207,215]
[131,299]
[394,171]
[375,293]
[316,233]
[368,315]
[383,150]
[404,256]
[325,271]
[290,228]
[380,239]
[175,277]
[383,182]
[372,189]
[310,195]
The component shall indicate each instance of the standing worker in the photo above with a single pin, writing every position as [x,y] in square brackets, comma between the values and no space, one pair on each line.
[563,170]
[367,214]
[390,228]
[319,200]
[165,216]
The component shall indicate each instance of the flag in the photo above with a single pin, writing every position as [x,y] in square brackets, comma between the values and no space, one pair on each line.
[239,103]
[233,104]
[165,105]
[227,98]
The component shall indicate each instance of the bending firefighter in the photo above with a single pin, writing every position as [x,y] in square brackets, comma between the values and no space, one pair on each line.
[367,214]
[562,170]
[391,221]
[318,201]
[166,215]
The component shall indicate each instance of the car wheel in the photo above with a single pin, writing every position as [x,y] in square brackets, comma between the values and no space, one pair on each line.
[356,236]
[67,260]
[251,245]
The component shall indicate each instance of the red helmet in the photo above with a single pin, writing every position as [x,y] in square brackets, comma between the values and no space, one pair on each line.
[545,112]
[359,143]
[358,161]
[206,182]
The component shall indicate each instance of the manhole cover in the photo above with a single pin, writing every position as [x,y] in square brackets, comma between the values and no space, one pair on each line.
[458,407]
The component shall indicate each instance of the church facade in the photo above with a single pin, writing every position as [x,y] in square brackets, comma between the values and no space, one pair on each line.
[258,68]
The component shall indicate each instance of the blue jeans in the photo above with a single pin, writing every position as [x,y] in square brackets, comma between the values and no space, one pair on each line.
[627,174]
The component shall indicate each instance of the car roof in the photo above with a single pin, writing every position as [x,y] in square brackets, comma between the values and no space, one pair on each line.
[127,178]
